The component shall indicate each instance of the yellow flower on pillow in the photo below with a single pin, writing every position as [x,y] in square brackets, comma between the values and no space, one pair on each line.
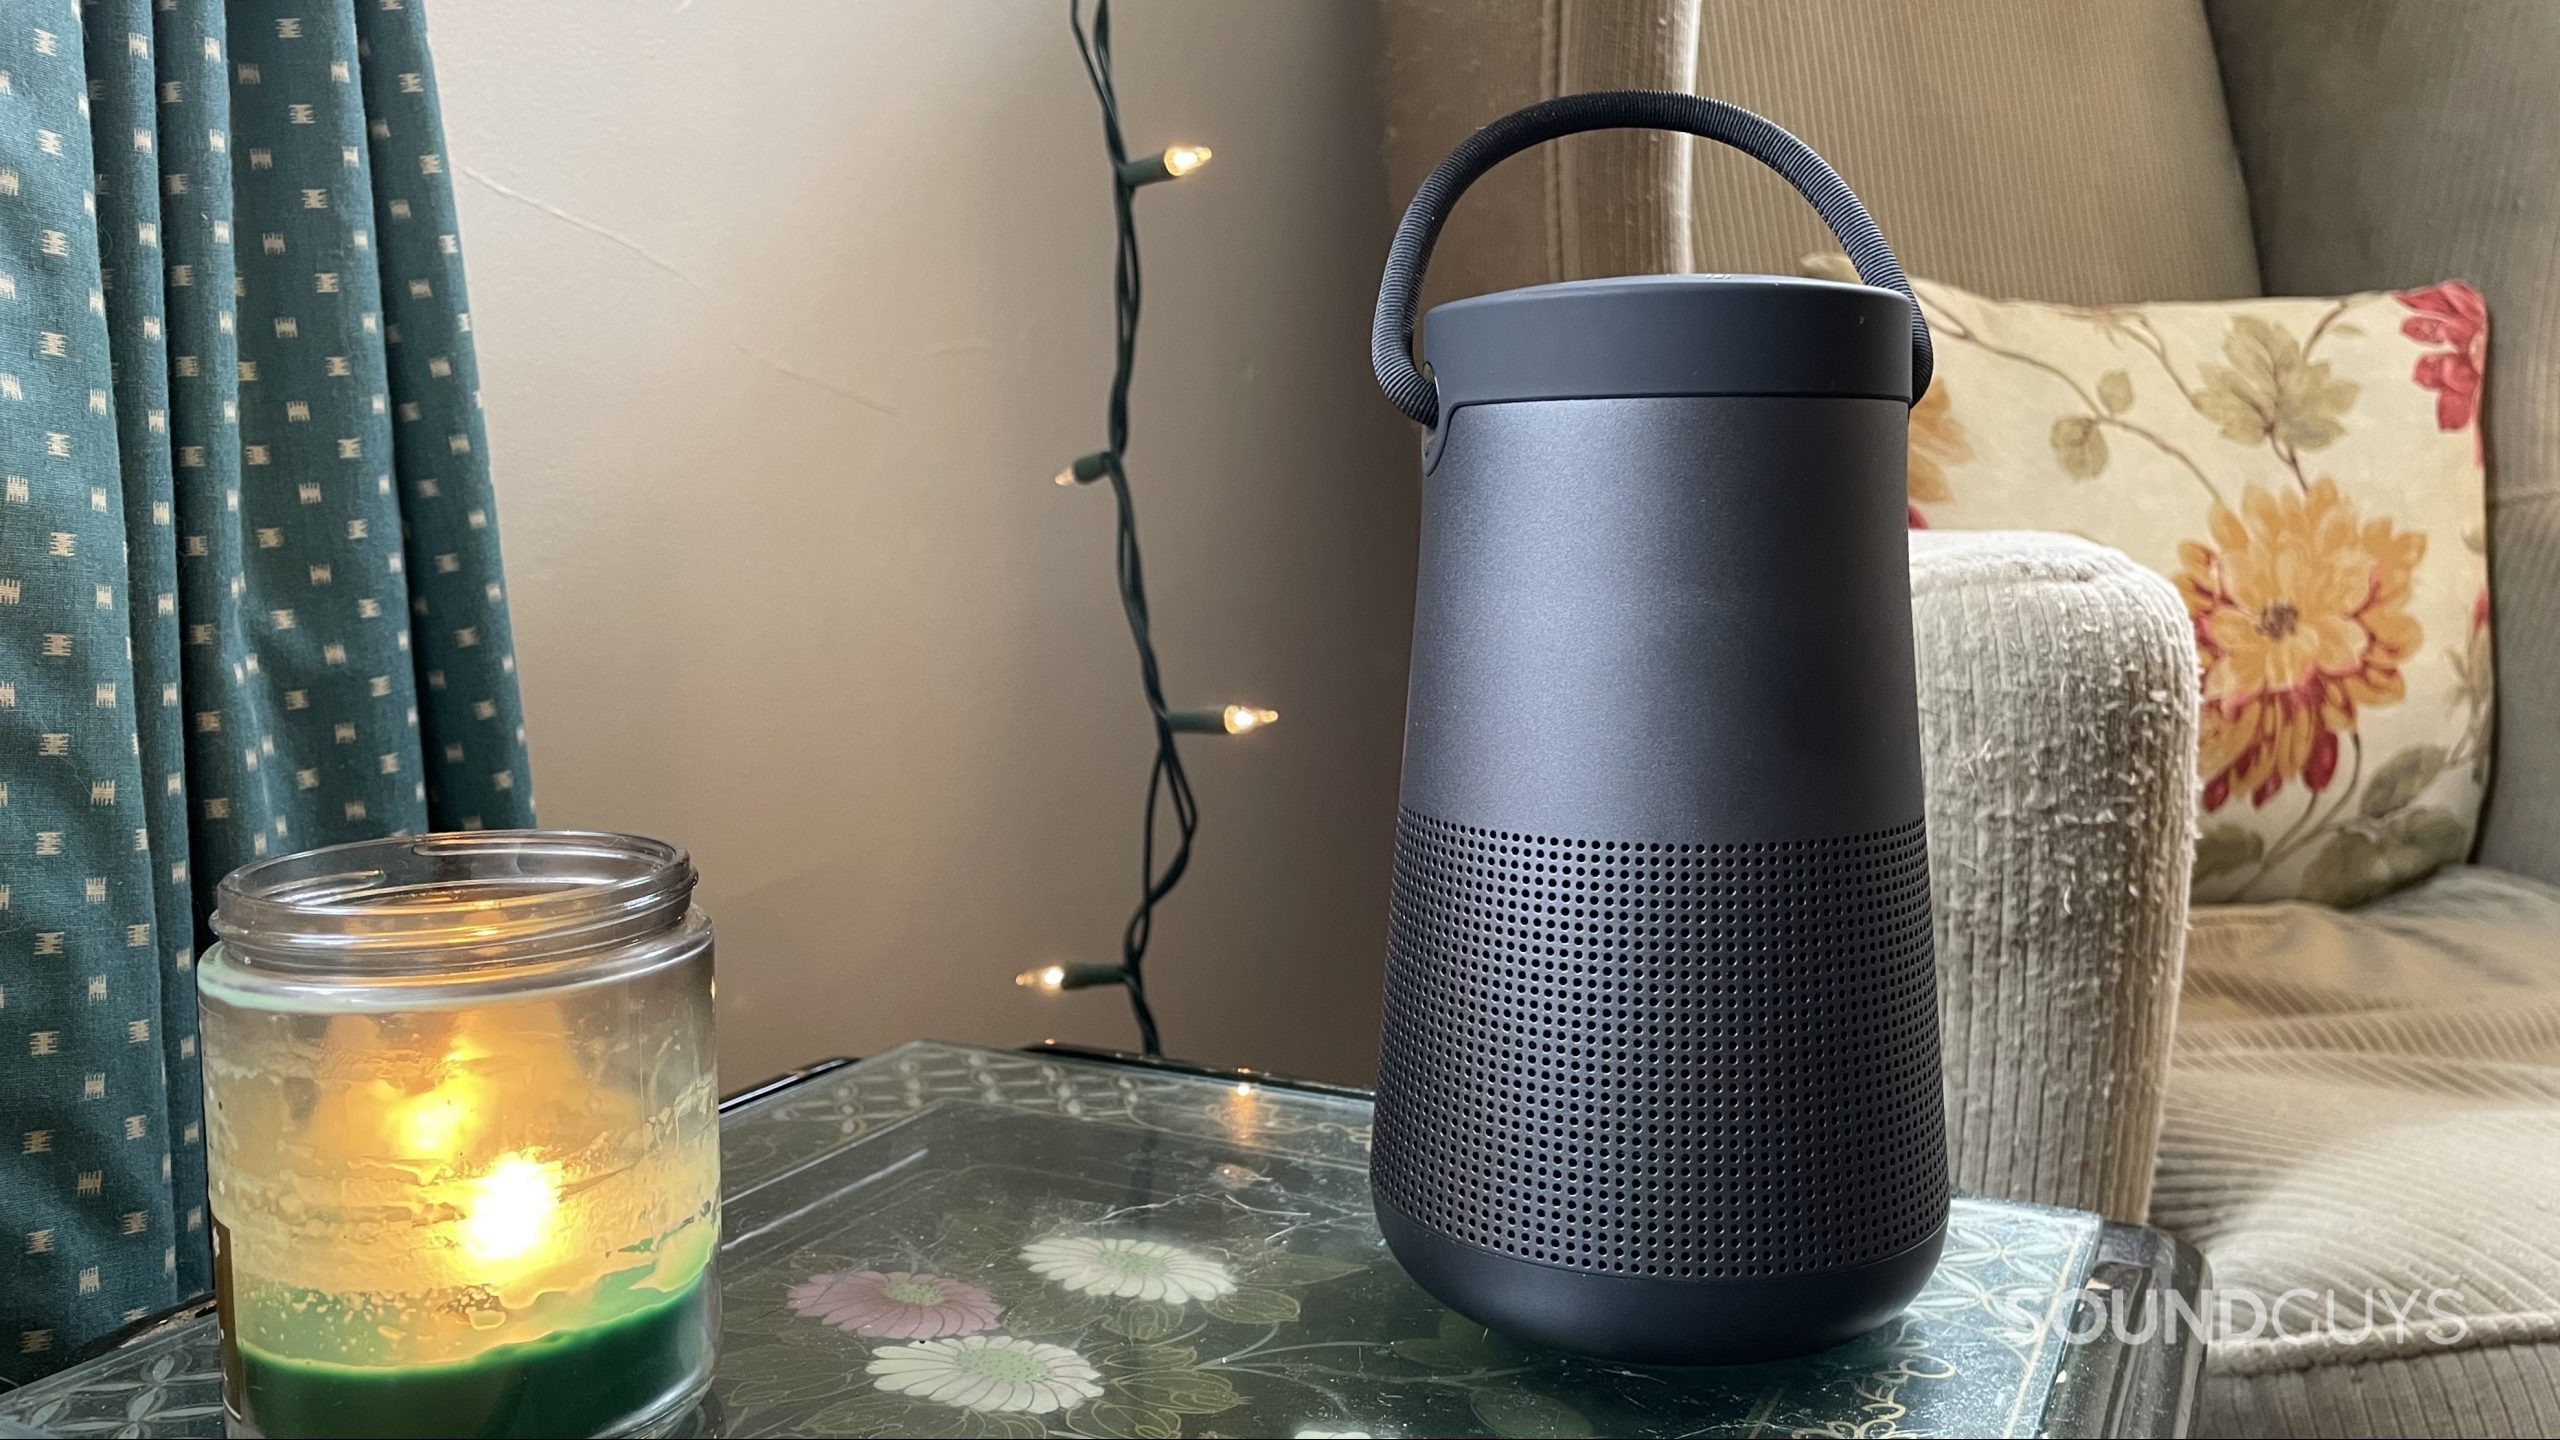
[2300,613]
[1937,442]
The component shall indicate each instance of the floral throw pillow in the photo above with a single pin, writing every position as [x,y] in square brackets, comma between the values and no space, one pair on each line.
[2308,473]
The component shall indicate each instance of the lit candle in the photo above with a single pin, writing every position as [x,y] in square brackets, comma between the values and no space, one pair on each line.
[458,1196]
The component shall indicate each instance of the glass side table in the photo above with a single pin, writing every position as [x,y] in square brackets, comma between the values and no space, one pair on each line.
[953,1241]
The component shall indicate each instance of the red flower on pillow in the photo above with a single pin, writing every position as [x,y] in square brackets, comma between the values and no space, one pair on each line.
[2451,315]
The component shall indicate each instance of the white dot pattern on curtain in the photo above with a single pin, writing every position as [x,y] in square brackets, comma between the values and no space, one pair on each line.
[250,592]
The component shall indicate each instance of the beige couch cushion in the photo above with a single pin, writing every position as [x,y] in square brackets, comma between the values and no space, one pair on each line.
[2064,152]
[2392,145]
[2499,1390]
[1605,204]
[2017,147]
[2370,1101]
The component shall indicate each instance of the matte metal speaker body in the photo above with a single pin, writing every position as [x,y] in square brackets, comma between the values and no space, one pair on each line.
[1660,1078]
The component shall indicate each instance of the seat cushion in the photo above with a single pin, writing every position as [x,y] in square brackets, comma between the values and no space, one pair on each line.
[2368,1103]
[2504,1390]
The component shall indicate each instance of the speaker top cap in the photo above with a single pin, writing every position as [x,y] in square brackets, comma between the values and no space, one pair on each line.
[1671,335]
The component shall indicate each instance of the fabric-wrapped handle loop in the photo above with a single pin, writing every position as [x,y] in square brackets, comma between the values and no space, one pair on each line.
[1400,290]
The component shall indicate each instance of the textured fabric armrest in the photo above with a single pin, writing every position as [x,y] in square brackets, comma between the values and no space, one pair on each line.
[2058,730]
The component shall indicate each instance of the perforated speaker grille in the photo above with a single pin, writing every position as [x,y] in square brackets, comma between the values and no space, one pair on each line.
[1683,1061]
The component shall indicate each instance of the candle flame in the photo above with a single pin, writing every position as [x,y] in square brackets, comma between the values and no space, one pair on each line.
[432,1125]
[445,1121]
[508,1213]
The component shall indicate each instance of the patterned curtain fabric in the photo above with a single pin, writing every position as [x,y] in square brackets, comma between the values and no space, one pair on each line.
[249,578]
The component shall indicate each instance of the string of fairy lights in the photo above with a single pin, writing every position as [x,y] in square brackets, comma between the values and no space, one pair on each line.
[1168,785]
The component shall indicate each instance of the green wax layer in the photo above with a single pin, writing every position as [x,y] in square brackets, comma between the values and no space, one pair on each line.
[570,1382]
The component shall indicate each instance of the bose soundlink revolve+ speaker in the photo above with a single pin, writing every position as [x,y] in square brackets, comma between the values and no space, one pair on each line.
[1660,1078]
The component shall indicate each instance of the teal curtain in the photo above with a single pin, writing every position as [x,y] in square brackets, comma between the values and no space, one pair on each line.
[250,596]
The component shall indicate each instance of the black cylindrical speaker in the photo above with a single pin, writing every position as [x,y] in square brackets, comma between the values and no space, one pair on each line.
[1660,1078]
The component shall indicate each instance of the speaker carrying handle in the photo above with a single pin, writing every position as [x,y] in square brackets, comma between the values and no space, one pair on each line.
[1400,289]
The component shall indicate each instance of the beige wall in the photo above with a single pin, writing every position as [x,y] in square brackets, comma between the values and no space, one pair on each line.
[787,312]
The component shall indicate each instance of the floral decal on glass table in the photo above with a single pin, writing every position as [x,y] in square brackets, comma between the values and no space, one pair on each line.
[901,1304]
[1105,1335]
[1018,1246]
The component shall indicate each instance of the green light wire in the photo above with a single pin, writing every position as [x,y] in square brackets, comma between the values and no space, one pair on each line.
[1167,783]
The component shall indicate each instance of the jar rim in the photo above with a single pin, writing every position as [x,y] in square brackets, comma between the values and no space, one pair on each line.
[450,901]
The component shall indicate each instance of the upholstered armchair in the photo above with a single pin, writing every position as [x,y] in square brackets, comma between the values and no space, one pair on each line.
[2351,1100]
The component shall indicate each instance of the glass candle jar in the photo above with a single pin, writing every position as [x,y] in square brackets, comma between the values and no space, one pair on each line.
[462,1130]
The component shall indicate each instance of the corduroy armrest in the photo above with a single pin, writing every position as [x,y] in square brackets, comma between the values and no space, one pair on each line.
[2058,729]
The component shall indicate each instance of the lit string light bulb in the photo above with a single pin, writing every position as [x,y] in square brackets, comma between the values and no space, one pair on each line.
[1086,470]
[1228,720]
[1050,979]
[1176,162]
